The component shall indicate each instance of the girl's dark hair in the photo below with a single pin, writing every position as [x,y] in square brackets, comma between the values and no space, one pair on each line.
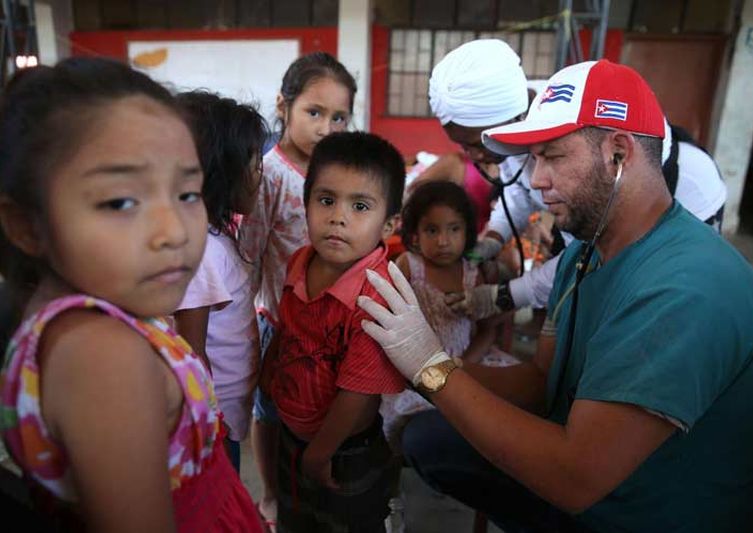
[433,193]
[309,68]
[45,113]
[229,136]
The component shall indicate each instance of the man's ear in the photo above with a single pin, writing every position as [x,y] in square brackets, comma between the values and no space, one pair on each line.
[20,227]
[390,225]
[622,145]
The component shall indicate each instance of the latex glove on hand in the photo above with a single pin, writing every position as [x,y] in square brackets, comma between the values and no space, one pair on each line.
[401,330]
[485,249]
[477,303]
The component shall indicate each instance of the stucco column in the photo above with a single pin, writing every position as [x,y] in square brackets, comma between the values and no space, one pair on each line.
[354,51]
[735,138]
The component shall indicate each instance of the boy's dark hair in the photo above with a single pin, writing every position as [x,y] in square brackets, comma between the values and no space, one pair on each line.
[44,114]
[433,193]
[309,68]
[229,135]
[365,153]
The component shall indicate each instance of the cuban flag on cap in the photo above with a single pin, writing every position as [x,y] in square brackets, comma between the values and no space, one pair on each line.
[611,109]
[558,93]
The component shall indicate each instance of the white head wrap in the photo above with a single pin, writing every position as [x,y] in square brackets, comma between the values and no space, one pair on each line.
[480,83]
[666,144]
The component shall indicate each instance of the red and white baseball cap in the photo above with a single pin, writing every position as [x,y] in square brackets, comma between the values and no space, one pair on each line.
[594,93]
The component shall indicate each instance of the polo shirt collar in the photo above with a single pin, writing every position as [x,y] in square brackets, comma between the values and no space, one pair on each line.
[348,286]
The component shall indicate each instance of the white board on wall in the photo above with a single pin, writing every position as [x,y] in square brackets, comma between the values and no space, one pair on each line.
[248,70]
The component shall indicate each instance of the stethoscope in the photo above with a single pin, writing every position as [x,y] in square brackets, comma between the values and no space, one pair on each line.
[503,184]
[582,267]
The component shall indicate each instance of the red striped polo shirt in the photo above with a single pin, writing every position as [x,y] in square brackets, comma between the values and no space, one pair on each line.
[323,347]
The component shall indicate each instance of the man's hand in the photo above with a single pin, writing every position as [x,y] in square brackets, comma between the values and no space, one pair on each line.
[318,470]
[402,330]
[477,303]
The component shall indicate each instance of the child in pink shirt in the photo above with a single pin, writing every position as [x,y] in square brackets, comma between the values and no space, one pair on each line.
[217,315]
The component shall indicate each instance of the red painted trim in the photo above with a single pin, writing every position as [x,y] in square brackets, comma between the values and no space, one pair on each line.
[612,44]
[115,43]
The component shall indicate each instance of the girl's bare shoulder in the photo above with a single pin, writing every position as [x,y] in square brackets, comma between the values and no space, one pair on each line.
[89,357]
[402,264]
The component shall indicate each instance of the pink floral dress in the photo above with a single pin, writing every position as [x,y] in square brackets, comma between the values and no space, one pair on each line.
[198,466]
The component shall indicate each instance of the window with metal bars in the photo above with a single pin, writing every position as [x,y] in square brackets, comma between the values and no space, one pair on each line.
[414,52]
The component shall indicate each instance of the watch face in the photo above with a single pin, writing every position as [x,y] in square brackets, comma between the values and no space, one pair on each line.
[432,378]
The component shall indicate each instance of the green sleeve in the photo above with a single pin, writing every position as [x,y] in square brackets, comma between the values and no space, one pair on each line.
[670,348]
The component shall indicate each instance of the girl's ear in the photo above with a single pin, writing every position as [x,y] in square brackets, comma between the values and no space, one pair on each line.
[280,107]
[20,227]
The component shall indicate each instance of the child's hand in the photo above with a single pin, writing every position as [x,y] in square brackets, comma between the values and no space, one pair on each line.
[318,470]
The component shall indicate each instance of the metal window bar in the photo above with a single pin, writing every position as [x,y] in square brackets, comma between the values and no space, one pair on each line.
[413,53]
[569,24]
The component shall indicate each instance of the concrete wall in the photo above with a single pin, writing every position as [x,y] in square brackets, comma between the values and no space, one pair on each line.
[54,25]
[735,137]
[354,51]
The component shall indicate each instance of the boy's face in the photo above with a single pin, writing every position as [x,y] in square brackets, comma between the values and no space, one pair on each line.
[346,215]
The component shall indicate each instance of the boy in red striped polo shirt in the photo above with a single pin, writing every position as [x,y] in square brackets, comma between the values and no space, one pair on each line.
[335,469]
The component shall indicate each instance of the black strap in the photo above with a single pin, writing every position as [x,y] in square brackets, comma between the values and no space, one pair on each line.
[671,169]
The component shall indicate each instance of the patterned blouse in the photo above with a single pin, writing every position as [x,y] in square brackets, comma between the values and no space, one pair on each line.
[28,438]
[276,228]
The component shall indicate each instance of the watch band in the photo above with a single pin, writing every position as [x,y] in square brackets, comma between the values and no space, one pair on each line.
[504,301]
[442,371]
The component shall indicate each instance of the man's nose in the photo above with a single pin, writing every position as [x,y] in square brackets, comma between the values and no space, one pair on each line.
[538,178]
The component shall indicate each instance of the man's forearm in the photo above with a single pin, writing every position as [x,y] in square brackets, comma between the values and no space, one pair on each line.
[572,466]
[523,385]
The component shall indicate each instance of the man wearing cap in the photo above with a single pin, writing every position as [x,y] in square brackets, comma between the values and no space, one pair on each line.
[634,415]
[481,85]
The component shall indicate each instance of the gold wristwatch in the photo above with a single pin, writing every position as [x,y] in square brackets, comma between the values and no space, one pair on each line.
[433,378]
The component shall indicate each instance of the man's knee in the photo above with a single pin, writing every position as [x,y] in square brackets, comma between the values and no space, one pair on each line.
[424,439]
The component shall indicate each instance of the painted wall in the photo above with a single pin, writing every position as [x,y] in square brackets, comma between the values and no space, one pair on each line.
[409,135]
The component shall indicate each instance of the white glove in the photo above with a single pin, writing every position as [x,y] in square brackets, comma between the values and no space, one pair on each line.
[485,249]
[402,330]
[477,303]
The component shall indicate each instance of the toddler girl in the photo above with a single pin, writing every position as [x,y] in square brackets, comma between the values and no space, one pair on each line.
[316,98]
[438,228]
[109,414]
[216,315]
